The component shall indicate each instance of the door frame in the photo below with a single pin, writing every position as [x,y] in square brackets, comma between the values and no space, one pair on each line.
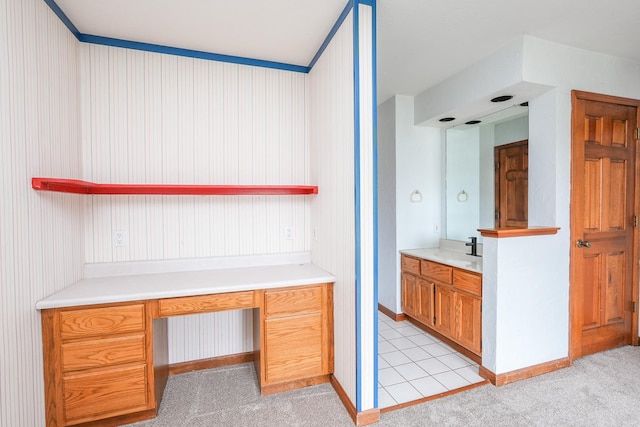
[575,233]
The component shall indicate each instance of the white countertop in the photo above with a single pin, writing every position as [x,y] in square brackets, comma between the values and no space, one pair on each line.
[101,290]
[449,257]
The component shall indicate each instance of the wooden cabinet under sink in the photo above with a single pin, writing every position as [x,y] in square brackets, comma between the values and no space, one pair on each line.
[446,300]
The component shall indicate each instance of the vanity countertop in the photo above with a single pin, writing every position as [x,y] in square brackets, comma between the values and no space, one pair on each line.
[448,256]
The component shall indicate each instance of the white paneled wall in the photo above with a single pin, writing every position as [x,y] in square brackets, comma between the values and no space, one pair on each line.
[331,131]
[41,245]
[368,310]
[153,118]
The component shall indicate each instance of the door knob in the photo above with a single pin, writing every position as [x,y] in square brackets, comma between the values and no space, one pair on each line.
[583,243]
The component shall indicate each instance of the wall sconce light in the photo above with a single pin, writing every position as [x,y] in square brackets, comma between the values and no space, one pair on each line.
[416,196]
[463,196]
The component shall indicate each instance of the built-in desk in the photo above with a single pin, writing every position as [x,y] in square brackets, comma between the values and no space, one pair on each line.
[105,338]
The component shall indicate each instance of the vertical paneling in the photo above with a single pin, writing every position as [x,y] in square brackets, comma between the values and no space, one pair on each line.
[368,314]
[331,136]
[41,245]
[152,118]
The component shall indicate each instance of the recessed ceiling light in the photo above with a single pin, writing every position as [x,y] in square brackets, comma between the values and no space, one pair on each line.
[473,122]
[447,119]
[501,98]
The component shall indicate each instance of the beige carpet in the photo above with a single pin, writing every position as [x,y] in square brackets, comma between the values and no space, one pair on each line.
[598,390]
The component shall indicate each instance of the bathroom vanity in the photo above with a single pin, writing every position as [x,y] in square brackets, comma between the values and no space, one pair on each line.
[442,292]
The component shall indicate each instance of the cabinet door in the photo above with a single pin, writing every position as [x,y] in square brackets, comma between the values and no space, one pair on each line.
[424,303]
[468,321]
[297,334]
[409,294]
[294,348]
[445,310]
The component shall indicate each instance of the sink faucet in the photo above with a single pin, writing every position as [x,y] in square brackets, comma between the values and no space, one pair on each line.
[474,246]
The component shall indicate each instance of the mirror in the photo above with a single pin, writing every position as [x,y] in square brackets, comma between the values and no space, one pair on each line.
[469,170]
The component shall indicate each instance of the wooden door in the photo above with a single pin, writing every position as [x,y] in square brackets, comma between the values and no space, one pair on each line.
[512,184]
[603,260]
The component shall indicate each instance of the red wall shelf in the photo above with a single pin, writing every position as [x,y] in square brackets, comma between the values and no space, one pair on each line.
[86,187]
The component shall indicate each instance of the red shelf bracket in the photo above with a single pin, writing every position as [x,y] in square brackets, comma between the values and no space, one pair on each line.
[85,187]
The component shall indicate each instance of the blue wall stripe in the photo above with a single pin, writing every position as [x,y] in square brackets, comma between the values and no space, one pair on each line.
[332,33]
[357,193]
[107,41]
[63,17]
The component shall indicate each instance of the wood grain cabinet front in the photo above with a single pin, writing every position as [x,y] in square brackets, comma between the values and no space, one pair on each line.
[297,338]
[107,364]
[97,363]
[446,299]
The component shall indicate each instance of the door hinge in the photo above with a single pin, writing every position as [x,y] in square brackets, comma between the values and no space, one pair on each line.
[480,344]
[637,133]
[635,221]
[634,306]
[497,165]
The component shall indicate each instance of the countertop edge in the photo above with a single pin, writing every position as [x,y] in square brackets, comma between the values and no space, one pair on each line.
[427,255]
[110,290]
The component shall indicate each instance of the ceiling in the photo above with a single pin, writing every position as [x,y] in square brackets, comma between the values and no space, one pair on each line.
[420,42]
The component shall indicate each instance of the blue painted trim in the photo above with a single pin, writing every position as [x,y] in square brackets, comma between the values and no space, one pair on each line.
[357,195]
[107,41]
[63,17]
[332,33]
[374,85]
[127,44]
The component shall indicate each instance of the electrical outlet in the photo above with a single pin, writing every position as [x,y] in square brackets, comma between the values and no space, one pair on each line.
[436,228]
[120,238]
[288,233]
[315,233]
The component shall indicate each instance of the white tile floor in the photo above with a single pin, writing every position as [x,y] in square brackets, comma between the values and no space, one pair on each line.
[413,364]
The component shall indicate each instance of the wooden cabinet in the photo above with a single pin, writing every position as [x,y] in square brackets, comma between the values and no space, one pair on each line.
[297,337]
[108,363]
[445,315]
[444,298]
[409,294]
[98,362]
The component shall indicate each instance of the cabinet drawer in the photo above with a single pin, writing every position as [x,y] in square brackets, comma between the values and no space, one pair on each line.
[467,281]
[105,393]
[436,271]
[205,303]
[293,301]
[410,265]
[102,352]
[99,321]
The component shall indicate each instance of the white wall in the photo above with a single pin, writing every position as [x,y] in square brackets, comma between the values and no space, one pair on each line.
[331,131]
[41,245]
[408,160]
[387,249]
[514,268]
[153,118]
